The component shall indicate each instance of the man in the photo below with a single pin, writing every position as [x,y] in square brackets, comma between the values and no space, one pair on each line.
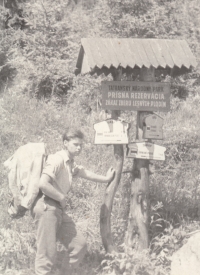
[53,222]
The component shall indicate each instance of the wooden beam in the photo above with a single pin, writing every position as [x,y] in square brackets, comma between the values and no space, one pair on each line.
[138,223]
[106,208]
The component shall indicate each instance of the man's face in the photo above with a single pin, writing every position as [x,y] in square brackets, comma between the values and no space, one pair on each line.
[73,146]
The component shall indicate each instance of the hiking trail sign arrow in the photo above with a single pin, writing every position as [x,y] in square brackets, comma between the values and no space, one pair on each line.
[111,131]
[146,150]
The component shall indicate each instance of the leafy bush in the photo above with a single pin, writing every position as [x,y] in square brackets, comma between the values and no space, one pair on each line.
[38,62]
[131,263]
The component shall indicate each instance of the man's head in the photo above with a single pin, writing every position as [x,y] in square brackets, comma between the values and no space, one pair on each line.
[73,141]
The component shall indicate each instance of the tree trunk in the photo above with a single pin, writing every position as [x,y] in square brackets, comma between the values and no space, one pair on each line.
[138,223]
[137,233]
[106,208]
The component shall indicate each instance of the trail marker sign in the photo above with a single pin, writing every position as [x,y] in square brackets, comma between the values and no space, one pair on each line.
[146,150]
[111,131]
[153,127]
[138,96]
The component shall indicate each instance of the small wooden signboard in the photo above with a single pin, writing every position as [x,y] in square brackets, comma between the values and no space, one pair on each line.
[146,150]
[138,96]
[152,128]
[111,131]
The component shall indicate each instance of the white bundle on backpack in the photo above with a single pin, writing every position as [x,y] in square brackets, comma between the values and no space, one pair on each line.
[25,168]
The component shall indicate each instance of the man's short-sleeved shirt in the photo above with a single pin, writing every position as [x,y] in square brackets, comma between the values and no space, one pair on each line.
[61,169]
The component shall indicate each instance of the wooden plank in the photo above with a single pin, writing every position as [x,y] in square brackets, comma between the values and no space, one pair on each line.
[189,53]
[118,51]
[180,53]
[185,57]
[166,54]
[99,55]
[126,57]
[111,51]
[138,45]
[105,55]
[134,54]
[129,60]
[174,50]
[157,50]
[149,52]
[85,66]
[87,50]
[116,59]
[92,51]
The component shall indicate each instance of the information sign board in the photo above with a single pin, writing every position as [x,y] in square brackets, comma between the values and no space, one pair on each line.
[111,132]
[146,150]
[152,128]
[138,96]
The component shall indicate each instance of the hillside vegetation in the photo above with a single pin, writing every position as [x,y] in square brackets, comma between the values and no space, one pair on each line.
[40,95]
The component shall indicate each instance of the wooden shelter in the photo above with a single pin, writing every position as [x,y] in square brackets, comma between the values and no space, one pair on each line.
[145,58]
[102,55]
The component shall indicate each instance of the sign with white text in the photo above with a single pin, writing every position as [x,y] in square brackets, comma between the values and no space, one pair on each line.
[146,150]
[136,96]
[111,132]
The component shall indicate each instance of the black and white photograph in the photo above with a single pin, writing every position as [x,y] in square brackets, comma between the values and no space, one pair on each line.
[99,137]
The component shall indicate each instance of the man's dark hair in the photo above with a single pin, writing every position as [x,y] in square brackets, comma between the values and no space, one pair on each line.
[72,133]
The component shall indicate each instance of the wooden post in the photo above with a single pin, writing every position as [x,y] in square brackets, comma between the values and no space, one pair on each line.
[106,208]
[138,223]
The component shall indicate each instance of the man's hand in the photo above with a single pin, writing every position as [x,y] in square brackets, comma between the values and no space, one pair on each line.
[63,202]
[110,174]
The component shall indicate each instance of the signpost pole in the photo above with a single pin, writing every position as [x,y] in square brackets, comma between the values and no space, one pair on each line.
[137,233]
[106,208]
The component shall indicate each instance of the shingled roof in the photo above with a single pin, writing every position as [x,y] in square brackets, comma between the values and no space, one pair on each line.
[98,55]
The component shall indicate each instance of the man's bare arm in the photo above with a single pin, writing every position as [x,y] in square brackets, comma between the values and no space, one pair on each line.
[47,188]
[86,174]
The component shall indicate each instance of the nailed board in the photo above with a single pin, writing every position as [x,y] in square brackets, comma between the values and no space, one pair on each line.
[146,150]
[111,131]
[153,127]
[136,96]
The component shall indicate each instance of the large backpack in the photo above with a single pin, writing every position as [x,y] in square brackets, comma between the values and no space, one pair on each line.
[24,171]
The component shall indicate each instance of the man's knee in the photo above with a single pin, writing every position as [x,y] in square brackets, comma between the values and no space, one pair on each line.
[81,246]
[84,246]
[79,250]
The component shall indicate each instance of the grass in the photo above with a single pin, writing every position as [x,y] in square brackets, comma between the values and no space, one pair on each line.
[174,183]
